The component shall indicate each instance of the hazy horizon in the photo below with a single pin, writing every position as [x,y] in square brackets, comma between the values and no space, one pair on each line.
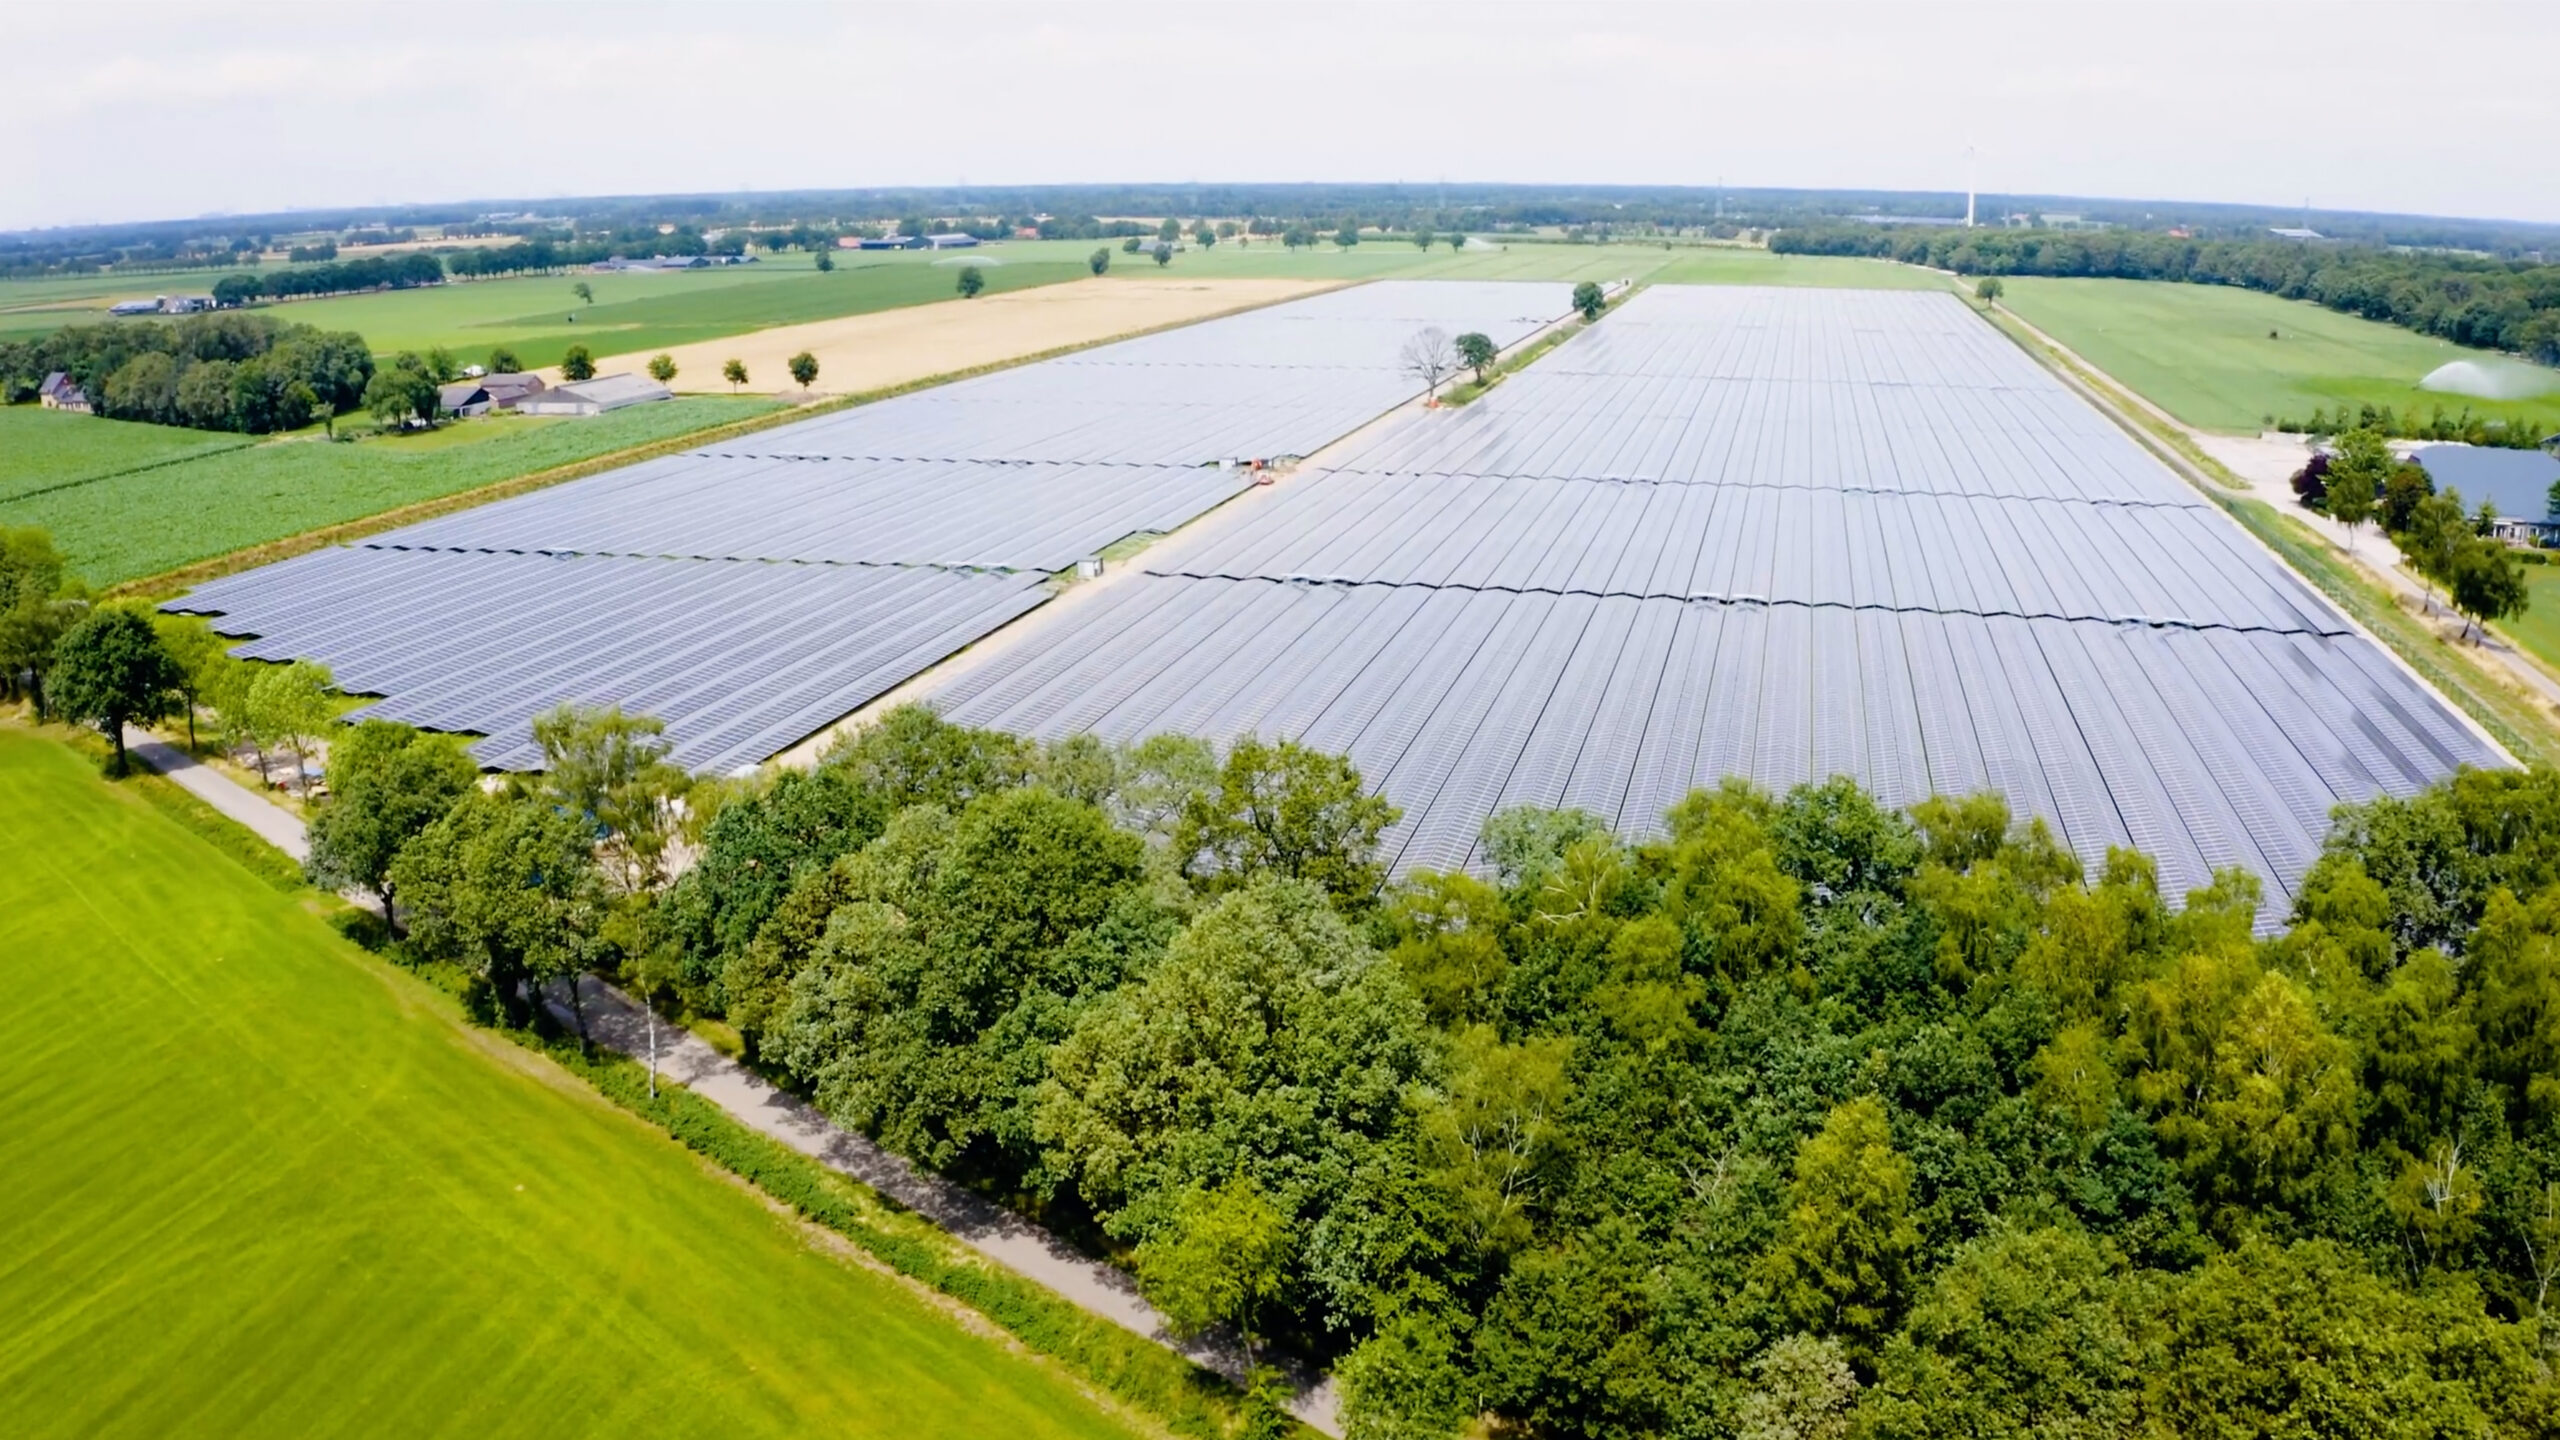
[154,111]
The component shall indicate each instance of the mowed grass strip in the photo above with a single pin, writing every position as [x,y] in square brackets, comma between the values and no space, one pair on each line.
[257,1184]
[44,449]
[152,521]
[2202,352]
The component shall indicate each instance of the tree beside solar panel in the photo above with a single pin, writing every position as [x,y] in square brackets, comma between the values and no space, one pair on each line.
[752,593]
[1774,534]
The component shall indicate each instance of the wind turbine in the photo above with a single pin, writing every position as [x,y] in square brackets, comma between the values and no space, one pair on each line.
[1969,169]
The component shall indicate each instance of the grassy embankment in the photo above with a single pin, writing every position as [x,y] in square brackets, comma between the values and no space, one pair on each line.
[260,1184]
[2526,729]
[2203,352]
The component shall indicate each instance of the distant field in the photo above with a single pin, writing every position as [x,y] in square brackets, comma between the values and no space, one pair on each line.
[129,526]
[653,311]
[259,1185]
[42,448]
[2201,352]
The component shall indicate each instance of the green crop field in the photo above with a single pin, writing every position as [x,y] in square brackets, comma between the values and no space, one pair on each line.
[2202,352]
[147,522]
[259,1184]
[41,449]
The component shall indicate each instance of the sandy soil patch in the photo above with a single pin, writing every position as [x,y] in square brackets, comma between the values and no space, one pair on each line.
[896,347]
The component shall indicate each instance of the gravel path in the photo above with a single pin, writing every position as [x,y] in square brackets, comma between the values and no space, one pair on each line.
[617,1021]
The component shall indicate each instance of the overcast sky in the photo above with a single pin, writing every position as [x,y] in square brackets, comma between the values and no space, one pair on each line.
[131,111]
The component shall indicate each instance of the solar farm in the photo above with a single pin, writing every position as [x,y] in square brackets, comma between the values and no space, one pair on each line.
[1729,531]
[750,595]
[1762,533]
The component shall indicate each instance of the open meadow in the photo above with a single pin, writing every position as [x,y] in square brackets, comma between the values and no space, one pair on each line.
[259,1184]
[47,449]
[129,523]
[2203,352]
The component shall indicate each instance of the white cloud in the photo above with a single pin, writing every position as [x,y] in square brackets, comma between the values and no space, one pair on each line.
[247,106]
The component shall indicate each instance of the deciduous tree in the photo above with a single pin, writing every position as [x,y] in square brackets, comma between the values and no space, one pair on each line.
[111,670]
[735,372]
[387,784]
[804,369]
[577,363]
[1477,350]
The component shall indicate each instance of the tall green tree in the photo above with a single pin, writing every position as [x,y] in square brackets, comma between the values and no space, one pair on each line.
[1099,261]
[1289,810]
[111,670]
[972,281]
[577,363]
[803,368]
[1222,1260]
[507,888]
[1589,299]
[610,771]
[2358,469]
[290,706]
[387,784]
[1843,1257]
[735,372]
[2488,583]
[1476,350]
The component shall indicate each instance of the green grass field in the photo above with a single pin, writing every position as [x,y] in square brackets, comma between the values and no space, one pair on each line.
[150,521]
[2201,352]
[259,1184]
[42,449]
[2538,628]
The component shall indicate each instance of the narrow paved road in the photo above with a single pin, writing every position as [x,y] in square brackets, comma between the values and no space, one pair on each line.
[617,1021]
[265,818]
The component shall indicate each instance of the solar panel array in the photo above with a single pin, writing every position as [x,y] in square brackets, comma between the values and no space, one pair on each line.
[1781,534]
[751,593]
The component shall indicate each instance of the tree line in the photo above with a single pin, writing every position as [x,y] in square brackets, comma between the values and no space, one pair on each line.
[215,371]
[336,277]
[2511,305]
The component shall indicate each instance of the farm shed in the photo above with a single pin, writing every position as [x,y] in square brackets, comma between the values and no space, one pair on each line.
[594,397]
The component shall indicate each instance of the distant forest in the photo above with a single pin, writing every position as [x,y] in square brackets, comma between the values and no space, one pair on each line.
[1077,212]
[2498,304]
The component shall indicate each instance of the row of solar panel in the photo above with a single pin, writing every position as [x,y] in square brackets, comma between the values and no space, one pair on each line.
[1890,553]
[900,512]
[2204,748]
[739,659]
[2169,564]
[1750,432]
[651,587]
